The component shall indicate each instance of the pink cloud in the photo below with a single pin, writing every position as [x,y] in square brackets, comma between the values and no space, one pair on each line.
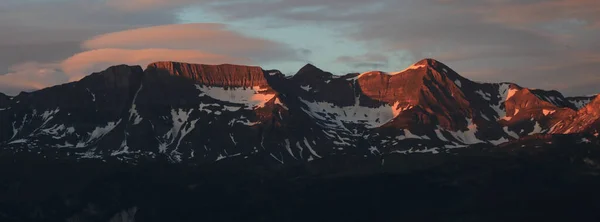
[142,5]
[207,37]
[204,43]
[31,76]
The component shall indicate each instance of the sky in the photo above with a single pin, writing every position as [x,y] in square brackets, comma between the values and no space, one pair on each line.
[547,44]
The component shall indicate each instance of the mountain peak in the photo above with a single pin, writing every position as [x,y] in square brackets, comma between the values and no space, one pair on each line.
[309,68]
[311,71]
[427,62]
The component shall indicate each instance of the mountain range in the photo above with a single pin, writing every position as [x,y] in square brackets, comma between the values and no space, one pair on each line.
[186,142]
[207,113]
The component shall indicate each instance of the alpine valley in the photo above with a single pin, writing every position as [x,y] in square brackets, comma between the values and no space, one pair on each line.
[187,142]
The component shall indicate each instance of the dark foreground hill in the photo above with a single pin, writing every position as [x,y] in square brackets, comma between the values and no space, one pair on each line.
[556,182]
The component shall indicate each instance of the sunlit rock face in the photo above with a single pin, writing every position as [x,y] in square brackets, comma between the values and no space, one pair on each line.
[212,75]
[206,113]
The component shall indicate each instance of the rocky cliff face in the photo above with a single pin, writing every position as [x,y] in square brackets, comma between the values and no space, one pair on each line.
[587,119]
[207,113]
[212,75]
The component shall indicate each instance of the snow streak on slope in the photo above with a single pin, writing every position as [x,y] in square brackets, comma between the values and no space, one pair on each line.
[133,113]
[503,92]
[485,96]
[58,131]
[97,134]
[181,126]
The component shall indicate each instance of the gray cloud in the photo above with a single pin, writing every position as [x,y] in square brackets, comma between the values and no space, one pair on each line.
[369,61]
[487,40]
[49,31]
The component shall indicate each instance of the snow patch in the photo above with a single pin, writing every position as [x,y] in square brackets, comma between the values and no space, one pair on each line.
[412,67]
[124,149]
[288,147]
[458,83]
[47,115]
[510,133]
[454,145]
[499,141]
[335,116]
[581,103]
[431,150]
[468,136]
[410,135]
[58,131]
[232,139]
[248,123]
[503,91]
[255,97]
[485,117]
[278,102]
[310,149]
[363,74]
[18,141]
[306,88]
[220,157]
[374,150]
[548,112]
[440,135]
[278,160]
[185,131]
[162,147]
[299,148]
[242,120]
[180,128]
[552,100]
[66,145]
[537,129]
[483,95]
[93,95]
[511,93]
